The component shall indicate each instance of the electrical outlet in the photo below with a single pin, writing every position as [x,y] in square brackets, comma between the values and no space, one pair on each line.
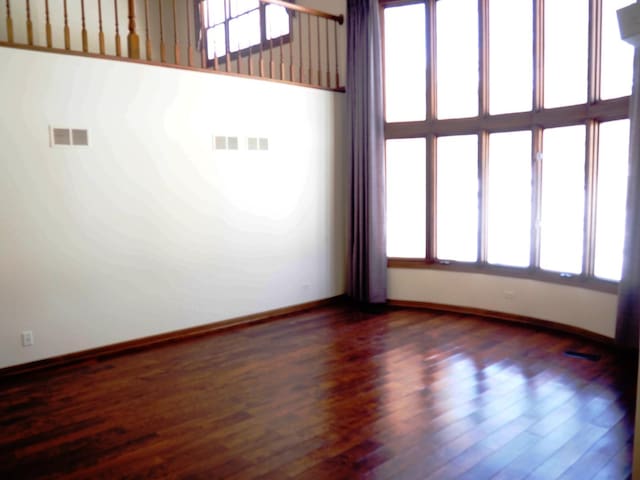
[27,338]
[509,294]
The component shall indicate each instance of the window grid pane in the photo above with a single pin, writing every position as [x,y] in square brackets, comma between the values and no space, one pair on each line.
[566,42]
[457,38]
[511,61]
[563,196]
[406,198]
[405,80]
[613,167]
[457,198]
[617,55]
[509,195]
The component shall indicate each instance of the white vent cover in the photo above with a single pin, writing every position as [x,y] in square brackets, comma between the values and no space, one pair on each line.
[221,142]
[77,137]
[232,143]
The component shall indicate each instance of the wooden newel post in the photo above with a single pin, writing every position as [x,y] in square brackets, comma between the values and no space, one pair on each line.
[133,40]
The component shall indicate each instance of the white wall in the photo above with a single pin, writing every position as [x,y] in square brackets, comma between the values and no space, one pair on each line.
[149,230]
[578,307]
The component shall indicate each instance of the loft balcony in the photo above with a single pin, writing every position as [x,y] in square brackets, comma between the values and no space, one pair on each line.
[268,39]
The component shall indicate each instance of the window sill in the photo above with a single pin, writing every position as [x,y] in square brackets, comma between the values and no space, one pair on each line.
[580,281]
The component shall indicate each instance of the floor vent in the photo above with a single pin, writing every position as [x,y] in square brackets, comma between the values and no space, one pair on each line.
[585,356]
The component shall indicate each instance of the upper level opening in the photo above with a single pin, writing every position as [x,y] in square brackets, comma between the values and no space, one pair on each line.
[269,39]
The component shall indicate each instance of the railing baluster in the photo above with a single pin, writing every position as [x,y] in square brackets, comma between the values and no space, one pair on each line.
[238,58]
[281,57]
[227,54]
[189,43]
[147,39]
[261,59]
[250,62]
[133,40]
[310,58]
[335,30]
[319,53]
[271,62]
[29,24]
[291,69]
[85,36]
[9,23]
[176,47]
[163,47]
[203,35]
[301,79]
[67,33]
[118,44]
[101,31]
[47,26]
[326,31]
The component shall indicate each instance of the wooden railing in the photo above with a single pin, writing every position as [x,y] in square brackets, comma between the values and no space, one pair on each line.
[294,43]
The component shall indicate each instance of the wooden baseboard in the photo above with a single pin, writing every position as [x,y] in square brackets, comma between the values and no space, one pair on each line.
[509,317]
[163,338]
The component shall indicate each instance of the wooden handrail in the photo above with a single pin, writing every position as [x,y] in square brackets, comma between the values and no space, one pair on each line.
[308,11]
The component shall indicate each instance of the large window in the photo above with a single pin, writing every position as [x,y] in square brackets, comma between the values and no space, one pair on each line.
[236,25]
[507,136]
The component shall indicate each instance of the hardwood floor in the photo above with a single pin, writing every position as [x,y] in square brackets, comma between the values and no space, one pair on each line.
[331,393]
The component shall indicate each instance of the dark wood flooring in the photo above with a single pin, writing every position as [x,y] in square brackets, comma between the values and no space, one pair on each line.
[331,393]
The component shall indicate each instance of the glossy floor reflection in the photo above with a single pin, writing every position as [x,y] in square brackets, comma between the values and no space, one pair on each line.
[331,393]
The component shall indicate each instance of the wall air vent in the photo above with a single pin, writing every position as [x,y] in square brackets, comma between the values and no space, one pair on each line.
[80,137]
[60,136]
[253,144]
[232,143]
[220,143]
[67,137]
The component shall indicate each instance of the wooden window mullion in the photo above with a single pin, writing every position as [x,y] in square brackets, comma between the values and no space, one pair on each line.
[590,201]
[431,192]
[483,135]
[536,196]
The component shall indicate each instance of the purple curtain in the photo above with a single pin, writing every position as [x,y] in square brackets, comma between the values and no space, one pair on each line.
[367,224]
[629,290]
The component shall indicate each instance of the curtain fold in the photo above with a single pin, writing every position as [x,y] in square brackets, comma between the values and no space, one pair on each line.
[628,320]
[367,223]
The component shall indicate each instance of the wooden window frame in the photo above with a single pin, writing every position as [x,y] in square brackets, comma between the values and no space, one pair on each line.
[265,43]
[589,114]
